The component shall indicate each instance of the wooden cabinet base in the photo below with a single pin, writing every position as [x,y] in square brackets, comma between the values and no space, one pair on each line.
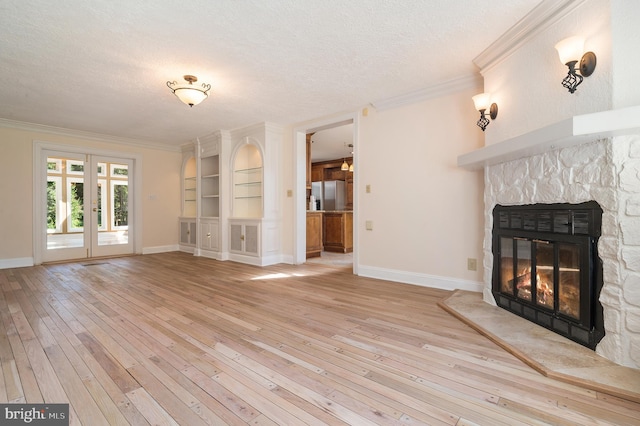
[314,234]
[338,232]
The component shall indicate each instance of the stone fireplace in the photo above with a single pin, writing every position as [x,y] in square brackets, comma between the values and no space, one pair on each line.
[553,165]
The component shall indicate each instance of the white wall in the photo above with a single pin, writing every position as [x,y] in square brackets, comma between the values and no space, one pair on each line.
[625,15]
[527,84]
[160,192]
[426,212]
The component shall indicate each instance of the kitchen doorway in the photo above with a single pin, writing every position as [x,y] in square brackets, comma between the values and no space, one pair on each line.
[302,206]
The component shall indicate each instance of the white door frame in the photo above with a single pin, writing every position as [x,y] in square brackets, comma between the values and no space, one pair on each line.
[40,193]
[300,179]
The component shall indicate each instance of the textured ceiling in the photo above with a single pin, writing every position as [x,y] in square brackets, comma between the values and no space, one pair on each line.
[102,66]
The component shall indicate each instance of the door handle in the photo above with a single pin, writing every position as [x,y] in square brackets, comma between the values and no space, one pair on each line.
[95,209]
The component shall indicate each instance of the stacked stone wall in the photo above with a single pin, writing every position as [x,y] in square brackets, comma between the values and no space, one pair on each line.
[607,171]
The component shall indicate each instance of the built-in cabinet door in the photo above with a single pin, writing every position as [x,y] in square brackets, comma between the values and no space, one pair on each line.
[209,238]
[188,232]
[244,238]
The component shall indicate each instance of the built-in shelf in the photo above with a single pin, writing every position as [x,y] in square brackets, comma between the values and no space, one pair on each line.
[210,186]
[189,186]
[570,132]
[247,183]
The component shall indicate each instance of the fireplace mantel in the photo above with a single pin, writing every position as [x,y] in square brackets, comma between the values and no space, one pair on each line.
[570,132]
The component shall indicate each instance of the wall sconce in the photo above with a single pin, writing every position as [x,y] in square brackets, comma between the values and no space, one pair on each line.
[188,92]
[570,52]
[483,103]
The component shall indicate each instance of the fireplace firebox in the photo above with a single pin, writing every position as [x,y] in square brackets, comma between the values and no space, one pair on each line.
[546,267]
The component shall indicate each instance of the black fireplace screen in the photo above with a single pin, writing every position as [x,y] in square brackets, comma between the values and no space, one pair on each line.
[546,267]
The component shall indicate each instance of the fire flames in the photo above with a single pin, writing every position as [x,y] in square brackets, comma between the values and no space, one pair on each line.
[544,288]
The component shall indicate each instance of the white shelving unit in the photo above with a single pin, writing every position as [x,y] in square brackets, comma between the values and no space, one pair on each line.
[212,177]
[187,220]
[231,200]
[210,186]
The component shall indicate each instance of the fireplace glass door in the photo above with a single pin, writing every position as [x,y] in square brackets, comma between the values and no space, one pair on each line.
[545,295]
[569,280]
[550,270]
[546,267]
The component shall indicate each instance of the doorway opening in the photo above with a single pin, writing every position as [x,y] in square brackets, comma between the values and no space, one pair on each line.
[334,141]
[85,204]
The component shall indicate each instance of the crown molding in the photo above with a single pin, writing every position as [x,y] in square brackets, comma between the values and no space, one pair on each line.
[81,134]
[471,81]
[539,19]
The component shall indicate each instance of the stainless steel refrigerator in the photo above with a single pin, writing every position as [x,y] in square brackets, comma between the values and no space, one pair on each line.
[331,194]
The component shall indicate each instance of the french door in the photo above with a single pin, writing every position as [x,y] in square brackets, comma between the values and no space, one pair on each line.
[88,206]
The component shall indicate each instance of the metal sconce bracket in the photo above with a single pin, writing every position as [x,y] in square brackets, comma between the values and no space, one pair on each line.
[483,122]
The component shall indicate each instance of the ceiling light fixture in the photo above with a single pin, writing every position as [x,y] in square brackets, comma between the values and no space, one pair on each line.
[570,51]
[187,92]
[483,103]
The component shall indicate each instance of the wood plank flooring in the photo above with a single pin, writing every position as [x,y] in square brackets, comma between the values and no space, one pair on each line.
[175,339]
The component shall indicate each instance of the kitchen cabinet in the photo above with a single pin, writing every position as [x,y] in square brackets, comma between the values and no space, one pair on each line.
[314,234]
[349,192]
[334,173]
[317,173]
[330,170]
[337,230]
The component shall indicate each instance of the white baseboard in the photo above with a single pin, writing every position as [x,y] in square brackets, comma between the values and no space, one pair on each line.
[424,280]
[18,262]
[286,258]
[160,249]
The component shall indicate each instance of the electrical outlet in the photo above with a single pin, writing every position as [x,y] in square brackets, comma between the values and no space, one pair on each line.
[369,225]
[472,264]
[289,193]
[368,189]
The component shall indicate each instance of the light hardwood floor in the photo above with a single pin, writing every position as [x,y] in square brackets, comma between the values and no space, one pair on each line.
[176,339]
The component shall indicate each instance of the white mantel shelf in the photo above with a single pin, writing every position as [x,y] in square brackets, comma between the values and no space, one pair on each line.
[570,132]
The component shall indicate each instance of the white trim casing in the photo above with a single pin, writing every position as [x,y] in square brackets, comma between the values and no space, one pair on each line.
[299,175]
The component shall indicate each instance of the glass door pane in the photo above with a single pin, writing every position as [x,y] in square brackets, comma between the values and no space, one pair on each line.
[569,280]
[110,207]
[523,269]
[544,274]
[506,265]
[65,210]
